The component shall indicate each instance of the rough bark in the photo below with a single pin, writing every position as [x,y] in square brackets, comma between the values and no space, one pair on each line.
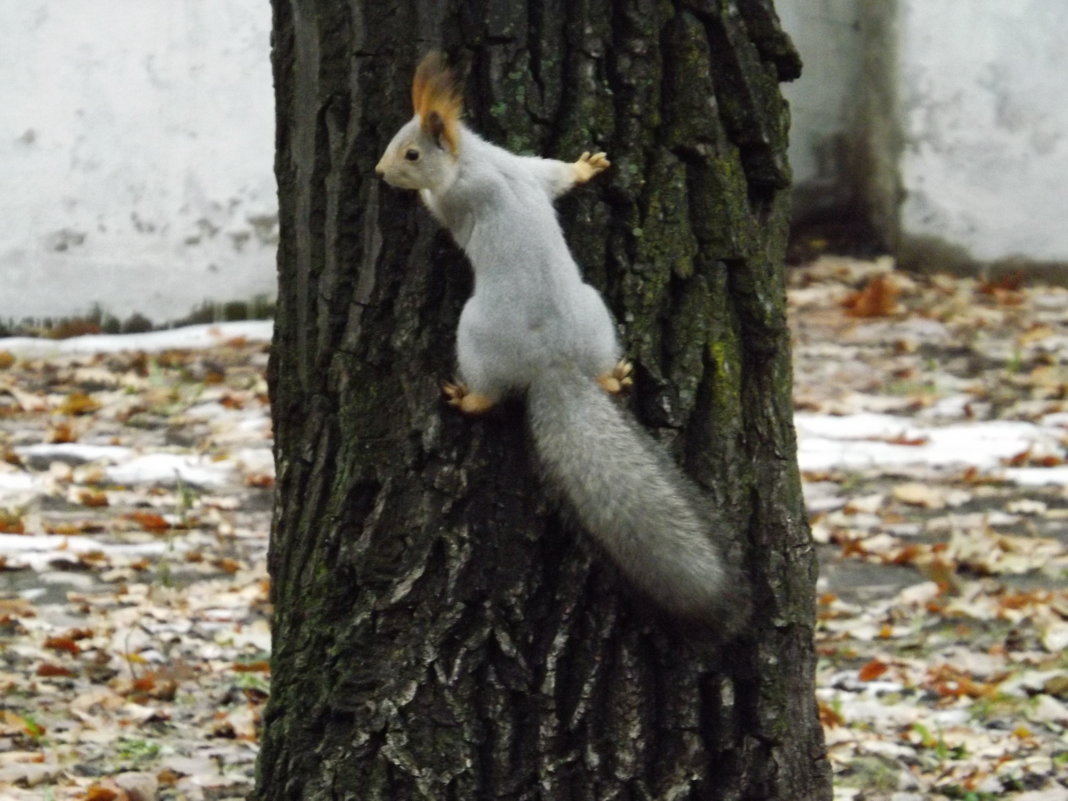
[440,631]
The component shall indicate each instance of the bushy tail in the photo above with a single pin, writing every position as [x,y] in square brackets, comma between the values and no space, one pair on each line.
[633,499]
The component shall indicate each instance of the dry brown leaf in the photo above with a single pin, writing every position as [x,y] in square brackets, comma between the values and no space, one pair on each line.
[261,666]
[11,523]
[78,403]
[872,670]
[27,401]
[50,670]
[60,433]
[17,607]
[94,499]
[149,521]
[829,716]
[1036,333]
[878,298]
[63,644]
[99,792]
[13,723]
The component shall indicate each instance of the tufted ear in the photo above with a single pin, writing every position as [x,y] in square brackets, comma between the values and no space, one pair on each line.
[436,101]
[435,127]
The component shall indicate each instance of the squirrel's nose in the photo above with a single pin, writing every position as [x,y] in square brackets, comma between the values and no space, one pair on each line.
[379,169]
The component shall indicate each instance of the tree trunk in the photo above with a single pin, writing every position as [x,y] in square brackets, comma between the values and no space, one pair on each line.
[440,631]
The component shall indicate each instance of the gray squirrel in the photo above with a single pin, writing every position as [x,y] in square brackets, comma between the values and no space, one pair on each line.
[534,328]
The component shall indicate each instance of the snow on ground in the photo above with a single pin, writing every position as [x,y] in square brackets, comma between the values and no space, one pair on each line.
[191,336]
[870,440]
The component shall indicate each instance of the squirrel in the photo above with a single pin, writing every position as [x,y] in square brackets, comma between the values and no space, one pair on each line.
[532,327]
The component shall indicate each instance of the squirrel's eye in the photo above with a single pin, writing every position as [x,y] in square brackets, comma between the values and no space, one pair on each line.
[412,155]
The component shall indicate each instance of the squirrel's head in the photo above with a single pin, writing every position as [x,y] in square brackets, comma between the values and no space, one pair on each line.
[424,152]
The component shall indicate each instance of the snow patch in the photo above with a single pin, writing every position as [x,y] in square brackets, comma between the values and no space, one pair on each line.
[172,469]
[868,440]
[188,337]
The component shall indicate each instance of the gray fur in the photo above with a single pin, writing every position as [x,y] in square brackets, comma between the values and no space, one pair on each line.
[533,326]
[630,496]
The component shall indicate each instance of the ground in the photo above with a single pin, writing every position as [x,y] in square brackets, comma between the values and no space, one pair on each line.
[932,430]
[135,497]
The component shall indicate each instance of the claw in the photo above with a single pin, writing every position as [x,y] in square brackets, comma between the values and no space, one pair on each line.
[458,396]
[454,392]
[619,380]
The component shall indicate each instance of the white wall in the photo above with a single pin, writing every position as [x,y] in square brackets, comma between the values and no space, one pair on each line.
[826,32]
[984,94]
[979,119]
[136,153]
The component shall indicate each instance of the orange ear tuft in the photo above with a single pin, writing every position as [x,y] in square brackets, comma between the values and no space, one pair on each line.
[436,100]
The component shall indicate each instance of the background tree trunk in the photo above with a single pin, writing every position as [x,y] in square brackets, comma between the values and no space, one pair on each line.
[439,632]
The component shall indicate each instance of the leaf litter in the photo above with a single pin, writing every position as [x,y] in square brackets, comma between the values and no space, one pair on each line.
[135,497]
[932,425]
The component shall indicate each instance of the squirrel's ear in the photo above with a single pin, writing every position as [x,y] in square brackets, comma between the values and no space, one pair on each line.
[435,126]
[436,100]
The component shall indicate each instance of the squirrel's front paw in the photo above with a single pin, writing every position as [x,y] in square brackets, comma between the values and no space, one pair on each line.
[588,165]
[458,396]
[619,380]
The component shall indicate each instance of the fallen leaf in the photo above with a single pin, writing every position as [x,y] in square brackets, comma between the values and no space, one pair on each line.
[94,499]
[78,403]
[829,716]
[878,298]
[1036,333]
[261,666]
[872,670]
[138,786]
[99,792]
[928,496]
[49,670]
[13,722]
[60,433]
[63,644]
[227,565]
[11,523]
[912,442]
[149,521]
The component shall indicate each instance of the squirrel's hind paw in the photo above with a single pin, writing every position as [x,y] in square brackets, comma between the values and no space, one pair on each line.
[458,396]
[619,380]
[589,165]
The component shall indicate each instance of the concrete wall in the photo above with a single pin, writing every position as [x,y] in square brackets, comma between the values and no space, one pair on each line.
[136,149]
[940,122]
[822,101]
[983,89]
